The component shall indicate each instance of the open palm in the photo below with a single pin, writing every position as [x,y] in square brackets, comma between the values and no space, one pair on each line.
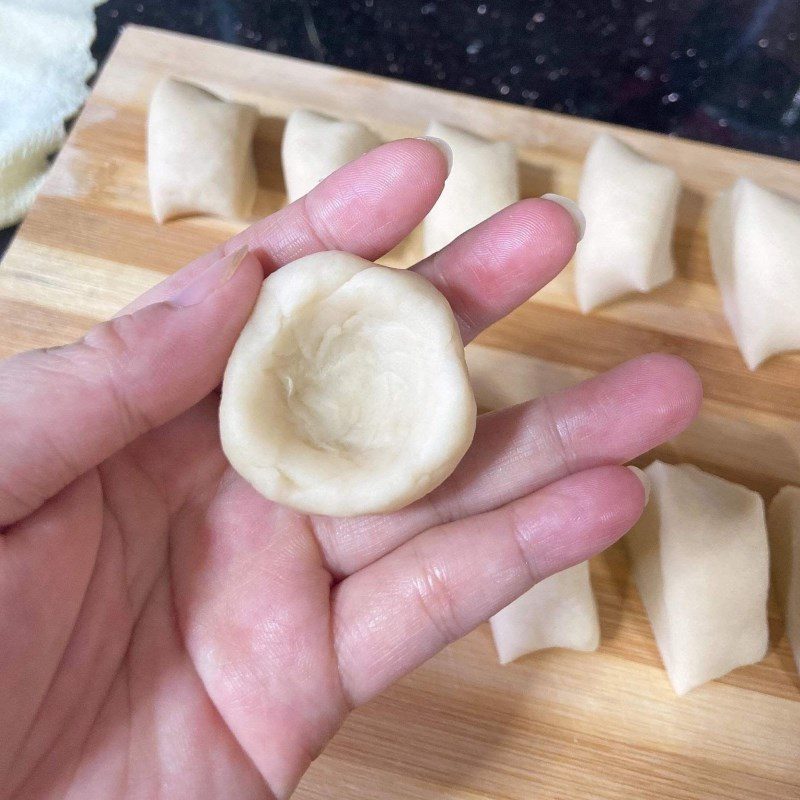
[166,631]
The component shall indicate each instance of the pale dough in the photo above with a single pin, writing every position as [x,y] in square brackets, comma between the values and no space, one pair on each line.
[754,238]
[347,391]
[783,520]
[502,378]
[314,146]
[559,611]
[484,180]
[629,203]
[701,565]
[199,153]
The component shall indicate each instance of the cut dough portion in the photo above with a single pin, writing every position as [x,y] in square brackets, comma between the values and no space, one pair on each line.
[629,203]
[347,391]
[314,146]
[501,378]
[754,238]
[484,179]
[560,611]
[784,534]
[199,153]
[701,564]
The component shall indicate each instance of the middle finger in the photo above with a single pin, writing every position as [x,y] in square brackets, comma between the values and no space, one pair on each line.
[609,419]
[498,265]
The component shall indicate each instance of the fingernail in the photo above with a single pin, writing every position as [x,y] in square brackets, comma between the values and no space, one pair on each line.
[208,281]
[571,207]
[642,476]
[443,147]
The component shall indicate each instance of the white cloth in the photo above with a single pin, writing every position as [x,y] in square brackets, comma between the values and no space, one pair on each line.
[44,65]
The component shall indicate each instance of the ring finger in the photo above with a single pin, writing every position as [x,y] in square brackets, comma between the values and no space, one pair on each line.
[609,419]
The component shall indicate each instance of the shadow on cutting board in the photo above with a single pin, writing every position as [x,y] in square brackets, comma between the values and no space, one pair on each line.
[535,180]
[267,151]
[452,739]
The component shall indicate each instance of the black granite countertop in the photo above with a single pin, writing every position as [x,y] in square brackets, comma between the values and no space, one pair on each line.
[723,71]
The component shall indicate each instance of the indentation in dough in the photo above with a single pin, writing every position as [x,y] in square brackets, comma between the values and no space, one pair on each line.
[347,391]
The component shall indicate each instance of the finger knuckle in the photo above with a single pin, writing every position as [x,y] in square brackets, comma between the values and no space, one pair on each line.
[109,350]
[557,434]
[316,225]
[525,540]
[435,598]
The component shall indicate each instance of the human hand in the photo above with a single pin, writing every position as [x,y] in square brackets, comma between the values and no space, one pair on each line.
[166,631]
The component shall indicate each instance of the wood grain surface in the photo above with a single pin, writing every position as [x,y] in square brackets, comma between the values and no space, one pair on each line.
[556,724]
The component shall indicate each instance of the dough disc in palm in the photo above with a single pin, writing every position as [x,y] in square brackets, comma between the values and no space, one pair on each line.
[347,391]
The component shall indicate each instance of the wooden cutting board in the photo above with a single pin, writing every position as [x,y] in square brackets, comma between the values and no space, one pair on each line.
[555,724]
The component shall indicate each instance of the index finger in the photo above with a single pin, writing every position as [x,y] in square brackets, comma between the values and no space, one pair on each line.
[366,208]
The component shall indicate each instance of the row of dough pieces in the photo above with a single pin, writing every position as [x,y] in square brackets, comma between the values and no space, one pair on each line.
[200,161]
[700,552]
[700,558]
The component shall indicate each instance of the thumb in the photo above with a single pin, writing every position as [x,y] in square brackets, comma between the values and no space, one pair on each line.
[64,410]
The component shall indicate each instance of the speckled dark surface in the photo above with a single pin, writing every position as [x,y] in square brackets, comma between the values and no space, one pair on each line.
[716,70]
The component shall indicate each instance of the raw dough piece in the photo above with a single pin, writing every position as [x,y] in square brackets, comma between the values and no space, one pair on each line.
[199,153]
[314,146]
[560,611]
[783,521]
[701,564]
[484,179]
[347,391]
[629,203]
[501,378]
[754,238]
